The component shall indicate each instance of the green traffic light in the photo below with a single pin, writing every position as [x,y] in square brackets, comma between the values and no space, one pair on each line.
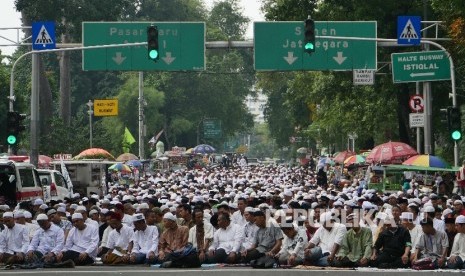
[153,54]
[309,46]
[11,139]
[456,135]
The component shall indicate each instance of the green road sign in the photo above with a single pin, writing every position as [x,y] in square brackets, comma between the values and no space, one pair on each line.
[212,128]
[181,45]
[420,66]
[279,46]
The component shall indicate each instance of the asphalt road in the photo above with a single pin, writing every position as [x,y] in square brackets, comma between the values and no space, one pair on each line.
[144,270]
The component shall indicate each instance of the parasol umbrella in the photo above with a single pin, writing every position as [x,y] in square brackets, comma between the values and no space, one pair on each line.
[44,161]
[354,159]
[391,153]
[134,163]
[343,155]
[120,167]
[94,153]
[126,157]
[426,160]
[203,149]
[302,150]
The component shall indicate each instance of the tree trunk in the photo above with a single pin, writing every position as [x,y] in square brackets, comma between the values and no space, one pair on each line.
[65,82]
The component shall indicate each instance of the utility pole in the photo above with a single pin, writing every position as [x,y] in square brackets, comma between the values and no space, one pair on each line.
[141,115]
[90,104]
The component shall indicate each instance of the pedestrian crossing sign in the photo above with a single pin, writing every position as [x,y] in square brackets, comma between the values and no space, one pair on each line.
[409,30]
[43,35]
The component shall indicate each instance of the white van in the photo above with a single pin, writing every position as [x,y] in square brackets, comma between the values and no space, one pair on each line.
[54,184]
[18,182]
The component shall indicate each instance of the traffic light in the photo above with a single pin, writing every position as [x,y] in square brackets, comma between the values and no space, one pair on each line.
[152,43]
[309,41]
[14,127]
[454,123]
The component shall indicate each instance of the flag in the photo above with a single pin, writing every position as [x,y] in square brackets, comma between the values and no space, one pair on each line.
[154,139]
[128,140]
[65,174]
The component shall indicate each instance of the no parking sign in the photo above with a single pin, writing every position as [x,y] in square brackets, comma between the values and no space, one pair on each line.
[416,103]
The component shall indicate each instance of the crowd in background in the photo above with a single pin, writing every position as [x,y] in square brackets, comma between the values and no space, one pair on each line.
[262,216]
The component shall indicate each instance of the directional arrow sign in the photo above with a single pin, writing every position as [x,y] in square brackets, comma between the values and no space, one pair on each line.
[182,46]
[279,46]
[420,66]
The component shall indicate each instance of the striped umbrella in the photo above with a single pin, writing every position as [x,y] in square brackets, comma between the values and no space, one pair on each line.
[354,159]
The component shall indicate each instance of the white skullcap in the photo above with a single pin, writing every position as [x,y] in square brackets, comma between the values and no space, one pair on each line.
[138,217]
[81,208]
[169,216]
[93,211]
[248,209]
[406,215]
[61,210]
[27,214]
[77,216]
[8,215]
[18,214]
[43,206]
[460,219]
[42,217]
[144,205]
[38,201]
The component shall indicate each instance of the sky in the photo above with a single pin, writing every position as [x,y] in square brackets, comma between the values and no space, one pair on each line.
[11,18]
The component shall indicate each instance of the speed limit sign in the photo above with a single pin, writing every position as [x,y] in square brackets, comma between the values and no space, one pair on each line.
[416,103]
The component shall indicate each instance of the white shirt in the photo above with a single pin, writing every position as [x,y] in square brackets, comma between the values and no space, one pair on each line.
[415,234]
[250,230]
[439,225]
[326,239]
[104,241]
[14,240]
[32,228]
[92,222]
[238,218]
[458,247]
[208,234]
[85,240]
[50,240]
[127,219]
[146,241]
[230,239]
[120,239]
[295,245]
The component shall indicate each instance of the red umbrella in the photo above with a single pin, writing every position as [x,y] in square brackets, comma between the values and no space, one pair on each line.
[44,161]
[391,153]
[343,155]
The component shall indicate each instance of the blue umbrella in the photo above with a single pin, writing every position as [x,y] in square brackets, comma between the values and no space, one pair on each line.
[134,163]
[203,149]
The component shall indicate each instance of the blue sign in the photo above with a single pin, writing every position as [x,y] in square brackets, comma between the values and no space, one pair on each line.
[409,30]
[43,35]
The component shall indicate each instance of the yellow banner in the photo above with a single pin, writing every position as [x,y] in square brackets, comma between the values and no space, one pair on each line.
[106,107]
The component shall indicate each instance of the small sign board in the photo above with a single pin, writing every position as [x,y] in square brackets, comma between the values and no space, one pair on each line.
[43,35]
[107,107]
[64,156]
[417,120]
[409,30]
[416,103]
[364,77]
